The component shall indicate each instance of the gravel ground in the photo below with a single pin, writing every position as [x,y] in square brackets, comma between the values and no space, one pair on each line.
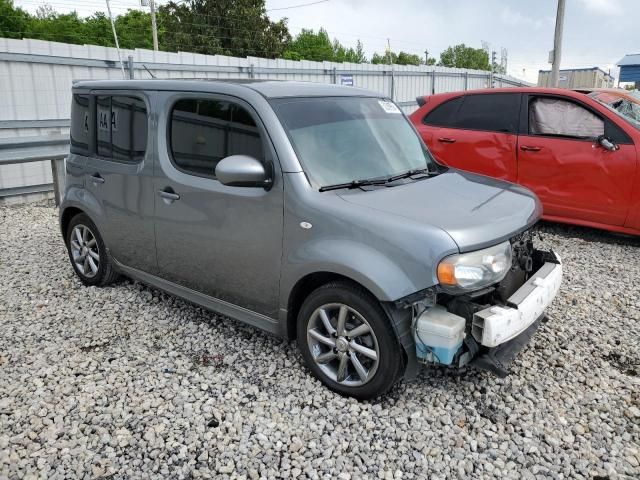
[127,382]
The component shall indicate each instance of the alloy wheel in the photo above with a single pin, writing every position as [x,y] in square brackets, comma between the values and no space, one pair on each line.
[343,344]
[84,250]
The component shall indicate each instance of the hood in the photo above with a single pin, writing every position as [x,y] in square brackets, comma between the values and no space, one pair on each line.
[476,211]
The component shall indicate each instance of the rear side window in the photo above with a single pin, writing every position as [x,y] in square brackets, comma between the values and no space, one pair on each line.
[203,132]
[444,115]
[121,128]
[490,112]
[80,131]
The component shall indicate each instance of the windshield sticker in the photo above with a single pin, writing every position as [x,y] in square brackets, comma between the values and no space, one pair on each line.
[388,106]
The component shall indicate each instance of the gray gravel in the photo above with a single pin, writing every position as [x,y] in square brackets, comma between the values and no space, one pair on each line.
[127,382]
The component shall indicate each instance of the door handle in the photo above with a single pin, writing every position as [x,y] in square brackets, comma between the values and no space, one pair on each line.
[169,195]
[447,140]
[96,178]
[527,148]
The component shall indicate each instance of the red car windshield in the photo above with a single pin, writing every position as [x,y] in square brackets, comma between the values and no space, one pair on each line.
[621,105]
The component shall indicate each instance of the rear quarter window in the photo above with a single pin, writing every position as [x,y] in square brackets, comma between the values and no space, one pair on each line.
[121,128]
[444,115]
[80,126]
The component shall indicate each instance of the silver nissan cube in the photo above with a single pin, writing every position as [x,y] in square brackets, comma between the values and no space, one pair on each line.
[311,211]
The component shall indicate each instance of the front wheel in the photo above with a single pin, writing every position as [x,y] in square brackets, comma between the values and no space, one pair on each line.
[347,342]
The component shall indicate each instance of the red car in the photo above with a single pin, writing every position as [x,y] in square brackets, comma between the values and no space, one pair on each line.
[580,156]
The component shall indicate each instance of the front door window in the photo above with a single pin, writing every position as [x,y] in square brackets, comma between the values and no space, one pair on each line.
[557,117]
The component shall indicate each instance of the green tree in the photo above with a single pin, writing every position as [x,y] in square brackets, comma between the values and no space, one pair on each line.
[227,27]
[350,55]
[405,58]
[388,57]
[134,29]
[461,56]
[98,31]
[57,27]
[401,58]
[309,45]
[13,20]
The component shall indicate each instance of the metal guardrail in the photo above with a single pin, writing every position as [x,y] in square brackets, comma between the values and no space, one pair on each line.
[53,148]
[52,122]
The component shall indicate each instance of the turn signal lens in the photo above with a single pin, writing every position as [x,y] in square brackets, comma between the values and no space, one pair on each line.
[446,274]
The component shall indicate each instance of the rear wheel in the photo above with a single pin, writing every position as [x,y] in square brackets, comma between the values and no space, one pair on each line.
[87,252]
[347,341]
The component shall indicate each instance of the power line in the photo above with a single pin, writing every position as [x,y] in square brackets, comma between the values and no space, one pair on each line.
[380,45]
[79,37]
[240,29]
[297,6]
[373,42]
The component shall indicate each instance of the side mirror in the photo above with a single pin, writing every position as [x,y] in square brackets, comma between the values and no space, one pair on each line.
[607,144]
[243,171]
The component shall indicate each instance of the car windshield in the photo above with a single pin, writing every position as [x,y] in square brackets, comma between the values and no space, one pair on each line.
[625,108]
[346,139]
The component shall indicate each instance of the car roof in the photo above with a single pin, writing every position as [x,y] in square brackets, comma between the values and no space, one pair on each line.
[441,97]
[267,88]
[507,90]
[613,92]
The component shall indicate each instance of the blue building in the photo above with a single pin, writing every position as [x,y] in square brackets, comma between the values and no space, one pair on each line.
[630,69]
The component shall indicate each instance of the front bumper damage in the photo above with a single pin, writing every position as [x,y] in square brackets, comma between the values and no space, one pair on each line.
[499,320]
[503,331]
[498,359]
[498,324]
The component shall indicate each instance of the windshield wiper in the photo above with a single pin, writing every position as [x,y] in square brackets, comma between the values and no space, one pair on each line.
[379,181]
[410,173]
[354,184]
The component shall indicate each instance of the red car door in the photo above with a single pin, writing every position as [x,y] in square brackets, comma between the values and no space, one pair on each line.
[561,160]
[475,132]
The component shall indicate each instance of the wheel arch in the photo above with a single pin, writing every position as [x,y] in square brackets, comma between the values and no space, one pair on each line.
[303,288]
[66,216]
[397,319]
[78,201]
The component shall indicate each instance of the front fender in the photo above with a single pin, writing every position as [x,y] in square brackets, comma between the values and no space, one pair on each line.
[371,269]
[354,260]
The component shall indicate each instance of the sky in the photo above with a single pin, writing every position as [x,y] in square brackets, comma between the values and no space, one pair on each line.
[596,32]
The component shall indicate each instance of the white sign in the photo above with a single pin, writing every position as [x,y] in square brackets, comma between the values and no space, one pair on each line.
[388,106]
[346,80]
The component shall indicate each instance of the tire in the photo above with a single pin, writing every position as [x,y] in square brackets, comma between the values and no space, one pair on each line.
[330,355]
[87,252]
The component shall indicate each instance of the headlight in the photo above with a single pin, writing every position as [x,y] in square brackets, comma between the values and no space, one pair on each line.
[474,270]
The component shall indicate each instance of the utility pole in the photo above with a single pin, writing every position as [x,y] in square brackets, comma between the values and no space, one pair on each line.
[557,45]
[493,69]
[391,63]
[426,57]
[115,37]
[154,26]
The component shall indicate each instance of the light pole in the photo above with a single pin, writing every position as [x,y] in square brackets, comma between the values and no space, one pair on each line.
[557,45]
[115,37]
[154,26]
